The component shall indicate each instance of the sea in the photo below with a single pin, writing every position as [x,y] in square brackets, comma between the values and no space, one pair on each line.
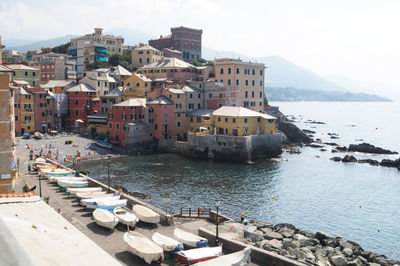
[357,202]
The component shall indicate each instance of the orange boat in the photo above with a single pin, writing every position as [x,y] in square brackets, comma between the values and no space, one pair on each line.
[46,166]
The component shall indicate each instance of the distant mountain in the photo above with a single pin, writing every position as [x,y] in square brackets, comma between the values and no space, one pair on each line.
[25,45]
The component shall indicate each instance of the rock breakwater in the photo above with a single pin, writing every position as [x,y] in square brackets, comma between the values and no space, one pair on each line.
[311,249]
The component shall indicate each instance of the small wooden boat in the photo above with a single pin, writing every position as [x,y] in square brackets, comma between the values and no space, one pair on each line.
[239,258]
[105,145]
[125,216]
[145,214]
[190,239]
[199,254]
[105,218]
[143,247]
[91,203]
[39,160]
[63,184]
[108,204]
[37,135]
[168,244]
[55,178]
[46,166]
[68,179]
[93,195]
[73,191]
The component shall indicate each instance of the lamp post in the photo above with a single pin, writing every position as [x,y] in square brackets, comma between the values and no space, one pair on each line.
[108,170]
[217,203]
[166,199]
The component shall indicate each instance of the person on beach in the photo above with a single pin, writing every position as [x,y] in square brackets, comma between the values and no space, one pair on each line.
[242,217]
[118,192]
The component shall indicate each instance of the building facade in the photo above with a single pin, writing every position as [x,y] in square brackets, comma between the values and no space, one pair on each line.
[82,101]
[51,68]
[26,73]
[43,109]
[145,55]
[247,77]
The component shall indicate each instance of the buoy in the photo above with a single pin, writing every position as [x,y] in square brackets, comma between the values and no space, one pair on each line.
[273,197]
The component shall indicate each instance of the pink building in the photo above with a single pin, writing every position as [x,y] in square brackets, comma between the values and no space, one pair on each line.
[82,102]
[43,108]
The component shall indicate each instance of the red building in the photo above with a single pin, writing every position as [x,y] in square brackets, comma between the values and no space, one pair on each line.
[82,101]
[183,39]
[43,109]
[162,114]
[133,109]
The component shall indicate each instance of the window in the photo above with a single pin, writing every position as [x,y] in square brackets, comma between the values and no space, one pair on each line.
[155,126]
[220,95]
[260,94]
[76,112]
[229,70]
[178,124]
[117,125]
[198,95]
[16,118]
[246,94]
[237,82]
[198,106]
[191,96]
[210,95]
[140,60]
[261,72]
[245,120]
[252,83]
[221,71]
[26,73]
[260,103]
[76,102]
[123,116]
[166,117]
[233,120]
[178,96]
[247,82]
[237,71]
[252,94]
[219,119]
[253,72]
[43,114]
[98,83]
[226,120]
[110,125]
[258,119]
[133,116]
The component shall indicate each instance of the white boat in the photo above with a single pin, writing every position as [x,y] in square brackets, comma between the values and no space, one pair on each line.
[105,218]
[104,144]
[73,191]
[143,247]
[145,214]
[91,203]
[125,216]
[68,183]
[92,195]
[55,178]
[55,171]
[69,179]
[199,254]
[190,239]
[108,204]
[40,160]
[239,258]
[167,243]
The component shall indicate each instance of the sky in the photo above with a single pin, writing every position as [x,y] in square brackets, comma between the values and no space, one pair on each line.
[355,39]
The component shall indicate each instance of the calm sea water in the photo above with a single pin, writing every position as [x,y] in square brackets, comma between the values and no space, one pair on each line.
[353,201]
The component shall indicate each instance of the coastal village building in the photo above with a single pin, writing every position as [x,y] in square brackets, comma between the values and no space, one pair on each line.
[52,66]
[26,73]
[183,39]
[12,56]
[247,77]
[95,47]
[145,55]
[172,53]
[8,172]
[82,101]
[137,86]
[163,117]
[43,104]
[25,111]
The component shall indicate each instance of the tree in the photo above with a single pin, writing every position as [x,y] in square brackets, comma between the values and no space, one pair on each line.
[115,59]
[61,49]
[96,65]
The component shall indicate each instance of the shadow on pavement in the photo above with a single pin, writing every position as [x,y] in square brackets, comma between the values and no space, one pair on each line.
[97,229]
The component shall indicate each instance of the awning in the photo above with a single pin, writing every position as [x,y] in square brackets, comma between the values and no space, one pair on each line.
[101,58]
[102,50]
[72,51]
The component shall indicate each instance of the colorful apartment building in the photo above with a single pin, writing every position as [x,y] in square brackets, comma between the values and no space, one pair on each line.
[247,77]
[173,69]
[183,39]
[145,55]
[163,117]
[217,95]
[234,121]
[8,169]
[137,86]
[82,101]
[27,111]
[93,47]
[23,72]
[52,66]
[43,109]
[130,110]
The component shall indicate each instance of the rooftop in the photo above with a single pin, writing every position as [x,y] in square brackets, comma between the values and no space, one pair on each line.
[82,88]
[121,71]
[114,93]
[22,67]
[133,102]
[5,69]
[168,62]
[57,83]
[147,47]
[160,100]
[201,112]
[142,77]
[237,111]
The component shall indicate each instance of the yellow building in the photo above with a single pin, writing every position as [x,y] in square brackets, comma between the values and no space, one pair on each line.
[145,55]
[29,74]
[27,111]
[173,68]
[137,86]
[234,121]
[201,120]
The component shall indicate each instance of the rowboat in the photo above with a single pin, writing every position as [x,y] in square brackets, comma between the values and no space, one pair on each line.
[108,204]
[199,254]
[190,239]
[126,216]
[104,144]
[73,191]
[63,184]
[93,195]
[91,203]
[105,218]
[239,258]
[40,161]
[54,171]
[67,179]
[143,247]
[168,244]
[46,166]
[145,214]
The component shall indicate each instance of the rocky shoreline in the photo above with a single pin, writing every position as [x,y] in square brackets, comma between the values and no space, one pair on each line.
[311,249]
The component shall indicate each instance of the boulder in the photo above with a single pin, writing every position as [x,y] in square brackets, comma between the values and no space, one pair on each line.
[307,234]
[388,163]
[305,241]
[320,235]
[369,161]
[287,243]
[349,159]
[313,145]
[260,225]
[347,252]
[307,131]
[293,133]
[369,148]
[329,251]
[355,262]
[253,235]
[373,264]
[338,260]
[287,233]
[340,148]
[280,226]
[336,159]
[272,235]
[276,244]
[331,143]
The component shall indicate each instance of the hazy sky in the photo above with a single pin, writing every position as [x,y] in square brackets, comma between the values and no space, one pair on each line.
[356,38]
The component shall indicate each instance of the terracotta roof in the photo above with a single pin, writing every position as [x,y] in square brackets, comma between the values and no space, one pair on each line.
[17,195]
